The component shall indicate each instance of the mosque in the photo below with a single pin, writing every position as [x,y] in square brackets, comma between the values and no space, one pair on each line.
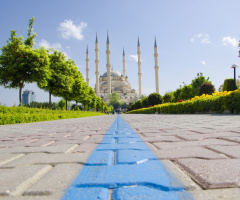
[113,81]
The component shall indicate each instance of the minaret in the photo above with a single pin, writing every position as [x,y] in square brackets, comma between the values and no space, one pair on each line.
[139,71]
[156,66]
[108,67]
[124,70]
[97,64]
[87,66]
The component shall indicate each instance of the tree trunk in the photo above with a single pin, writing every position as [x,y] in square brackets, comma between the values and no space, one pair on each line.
[66,103]
[20,93]
[50,99]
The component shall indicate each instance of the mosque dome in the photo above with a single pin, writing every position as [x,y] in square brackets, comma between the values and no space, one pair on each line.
[113,74]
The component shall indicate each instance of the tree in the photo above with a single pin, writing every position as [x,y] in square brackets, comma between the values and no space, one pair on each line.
[20,63]
[78,87]
[114,100]
[197,82]
[154,99]
[186,92]
[145,102]
[168,97]
[62,104]
[206,88]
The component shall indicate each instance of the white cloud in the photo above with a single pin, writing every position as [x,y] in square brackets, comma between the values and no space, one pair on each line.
[133,57]
[202,38]
[47,45]
[68,29]
[204,63]
[55,46]
[230,41]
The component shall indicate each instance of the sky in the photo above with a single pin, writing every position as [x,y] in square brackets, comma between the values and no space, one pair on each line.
[192,36]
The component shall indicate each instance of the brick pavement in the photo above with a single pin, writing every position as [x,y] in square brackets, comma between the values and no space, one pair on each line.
[206,148]
[40,160]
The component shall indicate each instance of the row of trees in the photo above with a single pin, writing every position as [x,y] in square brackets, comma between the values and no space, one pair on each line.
[21,63]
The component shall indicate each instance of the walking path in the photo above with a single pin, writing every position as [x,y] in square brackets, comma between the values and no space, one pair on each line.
[200,158]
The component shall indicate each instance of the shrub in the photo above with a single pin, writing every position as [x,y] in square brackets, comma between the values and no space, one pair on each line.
[228,85]
[154,99]
[206,88]
[168,97]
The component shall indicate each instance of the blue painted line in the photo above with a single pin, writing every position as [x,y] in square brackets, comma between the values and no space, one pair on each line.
[125,168]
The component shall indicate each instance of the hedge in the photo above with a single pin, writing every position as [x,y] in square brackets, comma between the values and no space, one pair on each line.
[215,103]
[16,115]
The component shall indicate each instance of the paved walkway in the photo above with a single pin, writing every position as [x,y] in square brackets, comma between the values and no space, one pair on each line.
[42,160]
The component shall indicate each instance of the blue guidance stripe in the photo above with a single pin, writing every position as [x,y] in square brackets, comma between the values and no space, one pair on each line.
[122,167]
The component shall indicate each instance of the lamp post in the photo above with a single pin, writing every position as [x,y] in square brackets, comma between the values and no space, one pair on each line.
[234,66]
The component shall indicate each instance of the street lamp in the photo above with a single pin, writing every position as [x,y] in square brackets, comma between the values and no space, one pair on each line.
[234,66]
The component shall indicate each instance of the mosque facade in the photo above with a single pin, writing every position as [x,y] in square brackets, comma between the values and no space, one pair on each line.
[113,81]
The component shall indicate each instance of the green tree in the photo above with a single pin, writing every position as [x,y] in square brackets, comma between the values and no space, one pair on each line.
[114,100]
[186,92]
[20,63]
[62,104]
[145,102]
[197,82]
[168,97]
[154,99]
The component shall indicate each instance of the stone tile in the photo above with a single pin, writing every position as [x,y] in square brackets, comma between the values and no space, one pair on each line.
[213,173]
[217,194]
[51,159]
[162,139]
[56,180]
[227,135]
[233,151]
[206,142]
[6,158]
[48,149]
[14,182]
[187,152]
[84,147]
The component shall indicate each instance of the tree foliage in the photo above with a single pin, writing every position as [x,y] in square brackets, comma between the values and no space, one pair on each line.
[228,85]
[20,63]
[154,99]
[206,88]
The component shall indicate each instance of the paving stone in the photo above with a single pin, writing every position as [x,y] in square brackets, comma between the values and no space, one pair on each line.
[51,159]
[6,158]
[213,173]
[233,151]
[133,156]
[85,147]
[148,193]
[13,182]
[217,194]
[48,149]
[162,139]
[187,152]
[219,135]
[133,146]
[206,142]
[101,158]
[57,179]
[234,139]
[87,193]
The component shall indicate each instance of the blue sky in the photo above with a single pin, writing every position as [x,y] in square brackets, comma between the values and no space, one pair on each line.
[192,36]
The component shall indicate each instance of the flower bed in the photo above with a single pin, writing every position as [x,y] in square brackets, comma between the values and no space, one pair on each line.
[215,103]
